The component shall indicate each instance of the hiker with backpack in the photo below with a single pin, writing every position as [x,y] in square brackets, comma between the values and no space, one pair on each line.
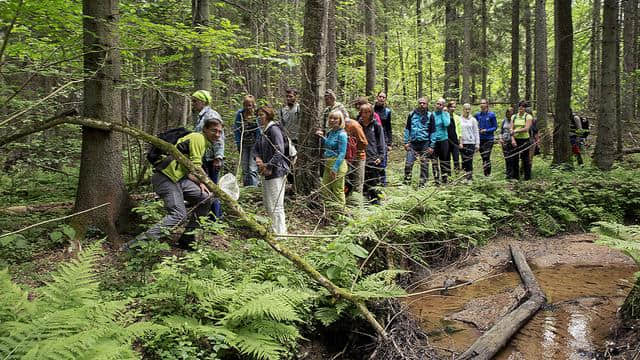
[440,141]
[175,185]
[417,141]
[376,149]
[247,132]
[214,156]
[508,143]
[335,149]
[521,123]
[487,123]
[273,165]
[384,113]
[355,157]
[578,132]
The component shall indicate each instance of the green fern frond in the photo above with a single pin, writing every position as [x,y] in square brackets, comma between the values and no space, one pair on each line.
[282,332]
[256,345]
[264,306]
[621,237]
[14,304]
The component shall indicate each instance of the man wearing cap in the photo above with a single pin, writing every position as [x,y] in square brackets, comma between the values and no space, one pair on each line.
[331,105]
[212,162]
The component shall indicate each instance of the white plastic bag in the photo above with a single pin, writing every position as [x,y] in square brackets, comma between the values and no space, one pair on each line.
[229,185]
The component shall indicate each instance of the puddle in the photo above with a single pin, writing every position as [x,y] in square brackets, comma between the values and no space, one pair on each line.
[582,304]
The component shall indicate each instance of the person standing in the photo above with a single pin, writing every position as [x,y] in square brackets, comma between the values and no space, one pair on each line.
[376,150]
[331,105]
[575,136]
[289,116]
[417,141]
[384,113]
[214,156]
[508,143]
[440,141]
[520,131]
[247,132]
[469,141]
[487,123]
[335,149]
[453,131]
[273,166]
[355,156]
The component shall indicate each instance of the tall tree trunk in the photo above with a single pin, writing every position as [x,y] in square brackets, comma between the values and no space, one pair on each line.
[542,95]
[564,64]
[605,151]
[466,53]
[484,55]
[332,50]
[201,57]
[594,57]
[370,30]
[403,78]
[515,51]
[101,178]
[618,86]
[528,52]
[313,42]
[629,81]
[451,68]
[419,48]
[385,49]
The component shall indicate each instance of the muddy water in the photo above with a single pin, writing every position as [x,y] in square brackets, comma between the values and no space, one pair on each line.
[582,305]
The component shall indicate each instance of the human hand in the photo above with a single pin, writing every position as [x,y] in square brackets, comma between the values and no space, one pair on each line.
[482,131]
[217,163]
[460,146]
[319,132]
[513,142]
[333,175]
[477,148]
[204,189]
[377,162]
[429,151]
[388,148]
[406,147]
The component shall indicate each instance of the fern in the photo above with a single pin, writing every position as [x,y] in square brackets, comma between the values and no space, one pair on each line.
[621,237]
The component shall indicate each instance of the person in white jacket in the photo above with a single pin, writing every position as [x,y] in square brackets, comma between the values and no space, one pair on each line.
[469,140]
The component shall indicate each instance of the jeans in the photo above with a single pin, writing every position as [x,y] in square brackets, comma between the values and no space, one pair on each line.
[486,146]
[214,174]
[372,179]
[273,198]
[509,158]
[174,195]
[249,167]
[442,153]
[417,150]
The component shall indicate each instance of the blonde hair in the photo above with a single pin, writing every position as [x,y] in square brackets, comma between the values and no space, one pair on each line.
[337,114]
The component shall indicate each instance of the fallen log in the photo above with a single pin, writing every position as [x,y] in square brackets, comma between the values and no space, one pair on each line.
[488,345]
[27,209]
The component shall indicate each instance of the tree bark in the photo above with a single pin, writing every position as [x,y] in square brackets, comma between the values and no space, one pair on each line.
[313,42]
[403,78]
[515,52]
[594,57]
[201,57]
[618,87]
[605,151]
[466,53]
[419,49]
[101,178]
[385,8]
[528,52]
[564,65]
[451,62]
[332,50]
[542,95]
[370,30]
[629,81]
[484,55]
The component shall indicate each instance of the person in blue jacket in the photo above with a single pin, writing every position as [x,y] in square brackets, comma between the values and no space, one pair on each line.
[487,124]
[440,141]
[417,141]
[247,132]
[335,149]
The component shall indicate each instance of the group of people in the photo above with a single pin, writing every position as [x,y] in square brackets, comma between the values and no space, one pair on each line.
[354,149]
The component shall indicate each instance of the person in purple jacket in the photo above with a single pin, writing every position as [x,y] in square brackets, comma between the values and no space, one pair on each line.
[487,124]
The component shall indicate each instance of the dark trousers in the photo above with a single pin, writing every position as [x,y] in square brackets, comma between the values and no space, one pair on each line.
[417,150]
[454,152]
[522,151]
[509,158]
[442,153]
[372,179]
[467,159]
[486,146]
[213,174]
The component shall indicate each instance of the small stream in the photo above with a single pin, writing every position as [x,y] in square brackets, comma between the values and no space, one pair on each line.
[581,309]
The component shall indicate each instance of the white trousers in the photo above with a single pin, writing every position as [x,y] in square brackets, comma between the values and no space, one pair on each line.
[273,198]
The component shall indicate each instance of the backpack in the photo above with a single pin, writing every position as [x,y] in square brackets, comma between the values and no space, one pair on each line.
[290,151]
[159,158]
[584,122]
[352,148]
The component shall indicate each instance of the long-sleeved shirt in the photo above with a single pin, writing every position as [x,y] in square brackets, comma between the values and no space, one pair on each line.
[354,130]
[454,128]
[419,127]
[247,130]
[469,132]
[375,137]
[216,150]
[385,117]
[197,144]
[335,146]
[441,124]
[488,122]
[270,148]
[290,119]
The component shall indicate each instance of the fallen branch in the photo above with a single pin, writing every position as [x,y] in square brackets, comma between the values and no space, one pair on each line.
[231,206]
[53,220]
[497,337]
[27,209]
[631,151]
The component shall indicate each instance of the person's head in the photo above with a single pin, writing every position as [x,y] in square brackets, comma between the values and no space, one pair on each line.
[423,104]
[265,114]
[522,106]
[381,99]
[509,112]
[484,105]
[212,129]
[200,99]
[292,96]
[336,119]
[329,97]
[466,109]
[451,106]
[360,101]
[366,113]
[440,103]
[249,104]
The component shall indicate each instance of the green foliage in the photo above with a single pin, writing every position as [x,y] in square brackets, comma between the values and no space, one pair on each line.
[67,320]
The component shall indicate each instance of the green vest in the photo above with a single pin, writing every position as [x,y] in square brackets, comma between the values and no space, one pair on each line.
[198,144]
[520,122]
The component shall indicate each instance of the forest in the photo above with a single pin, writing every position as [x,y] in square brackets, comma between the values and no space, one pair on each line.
[235,179]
